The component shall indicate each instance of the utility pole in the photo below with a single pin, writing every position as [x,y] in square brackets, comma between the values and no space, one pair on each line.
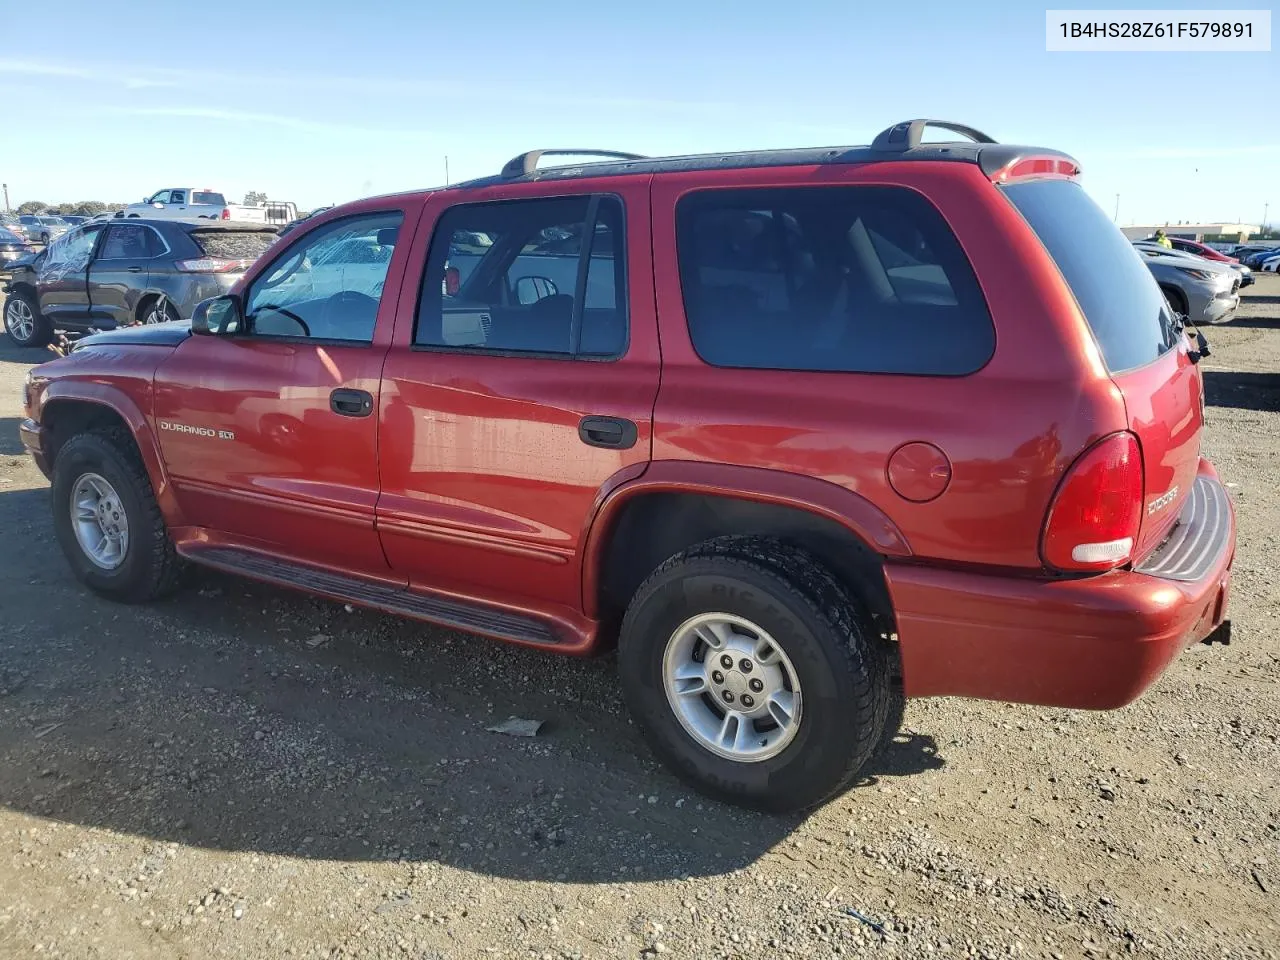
[6,199]
[1266,207]
[1115,216]
[446,170]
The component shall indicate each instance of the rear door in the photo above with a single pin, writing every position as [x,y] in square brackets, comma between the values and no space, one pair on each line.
[1137,336]
[520,385]
[120,272]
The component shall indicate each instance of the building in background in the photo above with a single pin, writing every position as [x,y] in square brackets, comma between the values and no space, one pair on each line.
[1232,232]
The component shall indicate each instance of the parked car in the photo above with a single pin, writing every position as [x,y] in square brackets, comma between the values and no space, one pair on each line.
[71,220]
[12,247]
[1244,273]
[803,431]
[1255,258]
[1270,264]
[42,229]
[1199,289]
[185,203]
[1183,245]
[101,276]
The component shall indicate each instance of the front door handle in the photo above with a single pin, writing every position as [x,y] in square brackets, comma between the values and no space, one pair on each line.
[135,269]
[351,403]
[614,433]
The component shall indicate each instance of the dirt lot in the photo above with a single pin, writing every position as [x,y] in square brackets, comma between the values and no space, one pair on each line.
[242,772]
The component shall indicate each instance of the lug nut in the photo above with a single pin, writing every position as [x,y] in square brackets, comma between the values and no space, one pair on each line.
[728,697]
[717,676]
[757,684]
[744,665]
[727,662]
[748,700]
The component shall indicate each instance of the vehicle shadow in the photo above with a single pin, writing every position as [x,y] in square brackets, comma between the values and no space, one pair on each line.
[243,718]
[10,445]
[1246,391]
[1255,323]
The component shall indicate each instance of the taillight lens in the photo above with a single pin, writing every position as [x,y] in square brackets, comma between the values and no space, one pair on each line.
[1093,522]
[226,213]
[210,265]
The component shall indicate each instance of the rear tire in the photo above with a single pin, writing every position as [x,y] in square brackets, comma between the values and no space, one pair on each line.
[147,567]
[769,593]
[23,324]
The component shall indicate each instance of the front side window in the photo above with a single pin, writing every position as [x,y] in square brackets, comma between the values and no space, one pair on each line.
[329,284]
[542,277]
[71,251]
[850,278]
[161,197]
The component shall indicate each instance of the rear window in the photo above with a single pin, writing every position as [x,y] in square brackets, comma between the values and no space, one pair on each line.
[858,279]
[233,244]
[7,236]
[1117,294]
[214,199]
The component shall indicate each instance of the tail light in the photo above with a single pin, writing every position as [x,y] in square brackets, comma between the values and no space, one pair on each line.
[452,281]
[226,213]
[210,265]
[1094,519]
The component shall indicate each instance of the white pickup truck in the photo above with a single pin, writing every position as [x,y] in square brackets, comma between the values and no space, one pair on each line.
[186,203]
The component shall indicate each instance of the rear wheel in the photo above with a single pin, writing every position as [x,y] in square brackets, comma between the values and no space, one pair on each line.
[754,674]
[107,520]
[22,321]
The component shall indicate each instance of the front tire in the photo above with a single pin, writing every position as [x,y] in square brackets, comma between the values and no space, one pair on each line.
[153,312]
[719,627]
[23,324]
[108,522]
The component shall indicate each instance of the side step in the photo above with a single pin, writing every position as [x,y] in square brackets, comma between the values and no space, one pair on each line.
[446,612]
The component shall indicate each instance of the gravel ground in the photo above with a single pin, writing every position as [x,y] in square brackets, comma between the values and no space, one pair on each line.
[243,772]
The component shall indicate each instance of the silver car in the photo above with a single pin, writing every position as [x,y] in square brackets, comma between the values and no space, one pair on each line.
[1203,290]
[43,229]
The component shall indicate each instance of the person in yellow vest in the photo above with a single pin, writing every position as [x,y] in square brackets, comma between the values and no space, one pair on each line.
[1164,241]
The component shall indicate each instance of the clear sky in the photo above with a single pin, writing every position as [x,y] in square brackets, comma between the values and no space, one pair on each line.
[320,101]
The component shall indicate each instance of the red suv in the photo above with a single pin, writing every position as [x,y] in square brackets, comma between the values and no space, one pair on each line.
[801,431]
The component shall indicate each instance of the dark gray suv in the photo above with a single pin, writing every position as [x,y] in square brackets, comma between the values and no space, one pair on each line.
[100,276]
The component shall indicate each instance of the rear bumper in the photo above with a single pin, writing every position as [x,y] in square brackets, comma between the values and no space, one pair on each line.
[1091,643]
[32,436]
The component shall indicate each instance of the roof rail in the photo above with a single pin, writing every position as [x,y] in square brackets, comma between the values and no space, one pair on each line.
[908,135]
[527,163]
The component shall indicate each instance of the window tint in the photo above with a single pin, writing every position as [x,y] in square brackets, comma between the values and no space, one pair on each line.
[855,279]
[215,199]
[1116,292]
[328,285]
[130,242]
[515,277]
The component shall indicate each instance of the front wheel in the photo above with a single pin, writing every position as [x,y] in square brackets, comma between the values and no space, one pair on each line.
[107,520]
[158,311]
[754,674]
[22,321]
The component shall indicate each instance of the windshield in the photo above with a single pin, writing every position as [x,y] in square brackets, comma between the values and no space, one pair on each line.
[1117,294]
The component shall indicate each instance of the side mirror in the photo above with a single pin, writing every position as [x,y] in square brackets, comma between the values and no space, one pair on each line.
[532,289]
[158,205]
[217,317]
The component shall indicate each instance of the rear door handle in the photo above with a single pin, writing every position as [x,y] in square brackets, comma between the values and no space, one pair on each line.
[612,432]
[351,403]
[135,269]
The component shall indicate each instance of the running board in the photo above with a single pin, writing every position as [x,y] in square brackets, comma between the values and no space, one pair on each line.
[443,611]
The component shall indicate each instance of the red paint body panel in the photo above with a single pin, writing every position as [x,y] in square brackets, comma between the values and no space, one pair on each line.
[1091,643]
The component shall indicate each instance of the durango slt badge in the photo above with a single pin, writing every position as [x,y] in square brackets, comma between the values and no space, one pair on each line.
[197,431]
[1162,501]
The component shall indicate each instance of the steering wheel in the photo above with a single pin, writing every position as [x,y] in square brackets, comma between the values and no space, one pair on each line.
[306,330]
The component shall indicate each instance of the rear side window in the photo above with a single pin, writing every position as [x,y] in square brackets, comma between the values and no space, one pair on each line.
[214,199]
[233,244]
[853,279]
[1117,295]
[542,277]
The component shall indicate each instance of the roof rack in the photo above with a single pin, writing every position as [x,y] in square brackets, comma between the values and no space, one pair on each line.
[527,163]
[909,134]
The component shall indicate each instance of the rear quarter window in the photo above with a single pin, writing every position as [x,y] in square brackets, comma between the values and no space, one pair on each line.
[233,244]
[1119,298]
[858,279]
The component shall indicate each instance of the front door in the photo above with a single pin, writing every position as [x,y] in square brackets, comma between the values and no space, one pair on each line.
[118,274]
[62,277]
[521,381]
[270,434]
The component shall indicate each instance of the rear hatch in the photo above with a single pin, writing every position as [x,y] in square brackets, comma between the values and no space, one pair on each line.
[1137,336]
